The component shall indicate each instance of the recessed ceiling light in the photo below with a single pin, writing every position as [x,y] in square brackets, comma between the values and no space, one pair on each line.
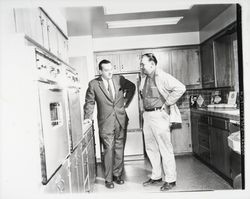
[109,10]
[144,22]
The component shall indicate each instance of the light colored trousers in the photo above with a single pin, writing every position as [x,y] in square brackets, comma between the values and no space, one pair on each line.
[158,145]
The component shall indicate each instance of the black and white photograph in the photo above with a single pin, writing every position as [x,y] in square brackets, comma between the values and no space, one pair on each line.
[140,99]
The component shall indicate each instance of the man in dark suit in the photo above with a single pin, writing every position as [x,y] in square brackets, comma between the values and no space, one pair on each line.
[112,95]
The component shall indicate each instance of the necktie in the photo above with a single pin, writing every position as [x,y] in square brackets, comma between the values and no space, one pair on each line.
[110,90]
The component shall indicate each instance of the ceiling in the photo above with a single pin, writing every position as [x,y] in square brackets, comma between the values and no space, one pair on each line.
[91,20]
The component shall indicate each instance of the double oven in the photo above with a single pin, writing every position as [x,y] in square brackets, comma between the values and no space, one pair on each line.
[60,115]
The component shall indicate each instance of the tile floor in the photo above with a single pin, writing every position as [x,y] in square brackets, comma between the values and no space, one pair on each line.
[192,175]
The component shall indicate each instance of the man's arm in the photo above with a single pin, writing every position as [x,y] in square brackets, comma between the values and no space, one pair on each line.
[129,88]
[89,102]
[175,89]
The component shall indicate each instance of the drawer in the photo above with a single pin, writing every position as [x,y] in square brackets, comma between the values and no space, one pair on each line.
[203,129]
[204,119]
[204,140]
[220,123]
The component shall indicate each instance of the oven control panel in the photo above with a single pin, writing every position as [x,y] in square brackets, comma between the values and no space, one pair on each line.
[47,69]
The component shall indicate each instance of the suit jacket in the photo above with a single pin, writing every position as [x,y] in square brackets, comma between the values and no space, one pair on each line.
[107,109]
[171,89]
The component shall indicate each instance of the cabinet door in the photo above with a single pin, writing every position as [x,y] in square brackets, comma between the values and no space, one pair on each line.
[220,152]
[44,30]
[181,135]
[52,36]
[60,182]
[113,58]
[28,21]
[74,175]
[185,66]
[85,168]
[194,130]
[130,61]
[91,161]
[223,51]
[207,65]
[163,59]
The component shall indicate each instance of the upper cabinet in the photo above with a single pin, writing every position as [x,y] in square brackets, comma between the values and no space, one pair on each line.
[130,61]
[123,62]
[224,54]
[185,64]
[207,64]
[163,57]
[219,60]
[38,27]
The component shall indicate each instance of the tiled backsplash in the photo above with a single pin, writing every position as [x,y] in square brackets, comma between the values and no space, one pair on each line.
[183,102]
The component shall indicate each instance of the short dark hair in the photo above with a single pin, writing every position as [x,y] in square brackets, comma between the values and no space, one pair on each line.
[104,61]
[150,57]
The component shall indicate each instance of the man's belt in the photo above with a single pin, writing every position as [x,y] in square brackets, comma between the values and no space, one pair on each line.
[153,109]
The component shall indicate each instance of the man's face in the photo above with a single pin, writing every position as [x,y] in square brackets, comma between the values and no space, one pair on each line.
[107,71]
[146,65]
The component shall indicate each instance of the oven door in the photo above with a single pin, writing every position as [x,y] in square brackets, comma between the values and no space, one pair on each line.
[54,134]
[75,116]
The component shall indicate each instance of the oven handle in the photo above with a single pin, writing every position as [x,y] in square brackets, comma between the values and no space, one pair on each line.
[55,89]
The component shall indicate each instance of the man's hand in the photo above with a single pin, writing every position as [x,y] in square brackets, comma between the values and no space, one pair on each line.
[87,121]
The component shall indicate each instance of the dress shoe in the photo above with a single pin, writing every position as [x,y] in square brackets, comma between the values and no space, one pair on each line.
[151,181]
[109,185]
[118,180]
[167,186]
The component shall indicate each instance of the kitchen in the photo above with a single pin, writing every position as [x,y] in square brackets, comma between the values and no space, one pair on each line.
[57,51]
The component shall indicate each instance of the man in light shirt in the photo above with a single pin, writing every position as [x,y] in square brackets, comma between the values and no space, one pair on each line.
[112,94]
[160,92]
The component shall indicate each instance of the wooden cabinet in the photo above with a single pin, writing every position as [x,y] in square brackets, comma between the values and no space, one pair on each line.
[212,144]
[181,135]
[123,62]
[220,152]
[207,64]
[194,134]
[185,66]
[130,61]
[219,60]
[60,182]
[39,28]
[113,58]
[163,57]
[182,63]
[224,55]
[29,21]
[52,37]
[78,173]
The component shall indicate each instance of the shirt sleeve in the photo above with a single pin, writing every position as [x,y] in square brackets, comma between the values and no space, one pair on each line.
[175,89]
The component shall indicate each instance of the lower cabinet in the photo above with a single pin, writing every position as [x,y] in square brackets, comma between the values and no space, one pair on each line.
[181,135]
[220,151]
[60,182]
[210,142]
[78,172]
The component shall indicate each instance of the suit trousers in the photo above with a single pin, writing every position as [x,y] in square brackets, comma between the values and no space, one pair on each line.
[113,145]
[158,145]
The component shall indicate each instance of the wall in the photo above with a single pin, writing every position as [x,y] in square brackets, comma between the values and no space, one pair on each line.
[221,21]
[146,41]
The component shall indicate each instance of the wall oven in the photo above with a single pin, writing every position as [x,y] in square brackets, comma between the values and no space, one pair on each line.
[54,145]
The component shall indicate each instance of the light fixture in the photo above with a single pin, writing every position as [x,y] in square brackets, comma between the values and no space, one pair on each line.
[109,10]
[144,22]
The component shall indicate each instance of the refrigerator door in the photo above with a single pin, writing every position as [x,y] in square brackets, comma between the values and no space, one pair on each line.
[134,142]
[75,116]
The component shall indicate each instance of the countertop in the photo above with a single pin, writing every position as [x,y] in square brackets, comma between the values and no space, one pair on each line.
[232,114]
